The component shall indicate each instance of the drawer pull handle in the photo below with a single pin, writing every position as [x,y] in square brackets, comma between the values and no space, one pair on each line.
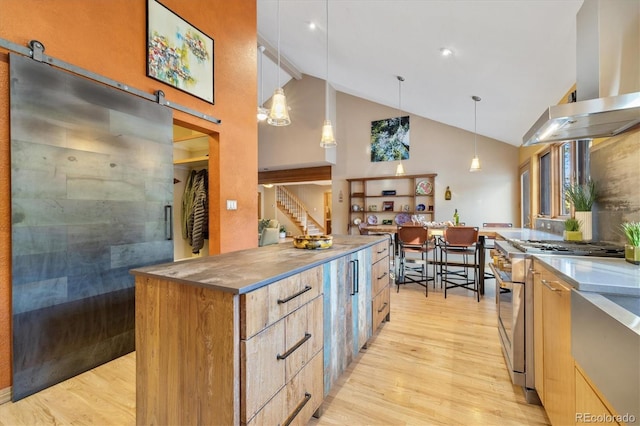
[293,296]
[548,285]
[384,306]
[306,337]
[307,397]
[382,276]
[381,251]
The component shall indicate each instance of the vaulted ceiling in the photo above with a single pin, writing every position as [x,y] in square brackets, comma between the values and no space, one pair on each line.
[519,56]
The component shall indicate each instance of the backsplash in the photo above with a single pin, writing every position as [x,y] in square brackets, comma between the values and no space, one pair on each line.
[553,226]
[615,167]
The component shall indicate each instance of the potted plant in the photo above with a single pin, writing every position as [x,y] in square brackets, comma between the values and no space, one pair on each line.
[572,230]
[283,231]
[632,248]
[582,197]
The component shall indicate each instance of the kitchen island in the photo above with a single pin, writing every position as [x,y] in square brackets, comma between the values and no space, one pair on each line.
[256,336]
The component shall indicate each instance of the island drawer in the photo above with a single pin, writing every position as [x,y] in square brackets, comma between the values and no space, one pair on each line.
[381,307]
[379,276]
[266,305]
[379,251]
[296,402]
[271,358]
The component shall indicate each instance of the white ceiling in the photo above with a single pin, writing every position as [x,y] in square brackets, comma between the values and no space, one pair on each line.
[519,56]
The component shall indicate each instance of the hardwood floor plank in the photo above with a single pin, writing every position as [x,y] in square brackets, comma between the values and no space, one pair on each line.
[437,362]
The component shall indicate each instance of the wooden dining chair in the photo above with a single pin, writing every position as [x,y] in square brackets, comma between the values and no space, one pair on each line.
[458,246]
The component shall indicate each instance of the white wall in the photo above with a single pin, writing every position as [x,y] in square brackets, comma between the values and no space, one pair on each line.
[487,196]
[491,195]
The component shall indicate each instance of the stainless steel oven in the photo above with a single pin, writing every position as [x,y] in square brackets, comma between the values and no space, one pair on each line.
[515,315]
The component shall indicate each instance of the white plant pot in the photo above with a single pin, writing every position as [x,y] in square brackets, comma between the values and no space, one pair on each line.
[586,224]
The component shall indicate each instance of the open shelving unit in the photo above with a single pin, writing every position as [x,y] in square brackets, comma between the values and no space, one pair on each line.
[383,199]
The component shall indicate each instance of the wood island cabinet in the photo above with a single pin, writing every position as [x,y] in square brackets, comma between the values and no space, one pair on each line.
[380,283]
[347,290]
[281,332]
[264,351]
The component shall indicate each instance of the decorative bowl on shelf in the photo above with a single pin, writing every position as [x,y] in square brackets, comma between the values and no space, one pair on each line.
[313,242]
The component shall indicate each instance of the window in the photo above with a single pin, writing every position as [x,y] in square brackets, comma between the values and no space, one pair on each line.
[545,184]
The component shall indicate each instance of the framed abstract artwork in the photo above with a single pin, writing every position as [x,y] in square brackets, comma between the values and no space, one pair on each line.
[390,139]
[178,54]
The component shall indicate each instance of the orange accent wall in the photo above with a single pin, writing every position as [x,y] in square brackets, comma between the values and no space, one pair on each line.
[108,37]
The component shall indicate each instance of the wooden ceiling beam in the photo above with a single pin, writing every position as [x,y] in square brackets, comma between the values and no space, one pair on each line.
[295,175]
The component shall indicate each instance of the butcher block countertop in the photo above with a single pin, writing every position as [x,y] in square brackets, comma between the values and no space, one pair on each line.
[246,270]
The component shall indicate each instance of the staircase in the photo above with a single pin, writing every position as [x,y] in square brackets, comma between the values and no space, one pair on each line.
[296,211]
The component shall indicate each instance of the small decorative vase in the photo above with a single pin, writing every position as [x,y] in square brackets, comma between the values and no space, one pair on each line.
[632,254]
[283,235]
[573,235]
[586,224]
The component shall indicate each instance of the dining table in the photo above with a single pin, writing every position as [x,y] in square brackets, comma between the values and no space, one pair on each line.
[437,231]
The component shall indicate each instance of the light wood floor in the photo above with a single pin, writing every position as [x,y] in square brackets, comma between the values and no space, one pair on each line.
[436,362]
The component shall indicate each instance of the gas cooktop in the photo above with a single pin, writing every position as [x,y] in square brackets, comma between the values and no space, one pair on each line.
[569,248]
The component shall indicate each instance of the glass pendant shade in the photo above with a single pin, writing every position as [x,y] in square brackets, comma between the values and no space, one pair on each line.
[400,169]
[475,164]
[327,139]
[279,113]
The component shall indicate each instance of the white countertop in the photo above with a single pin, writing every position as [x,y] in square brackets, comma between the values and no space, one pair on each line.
[526,234]
[599,275]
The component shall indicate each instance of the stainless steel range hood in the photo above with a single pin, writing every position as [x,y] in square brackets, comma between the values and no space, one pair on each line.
[607,82]
[590,119]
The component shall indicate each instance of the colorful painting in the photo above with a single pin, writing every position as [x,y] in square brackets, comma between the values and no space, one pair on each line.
[178,54]
[390,139]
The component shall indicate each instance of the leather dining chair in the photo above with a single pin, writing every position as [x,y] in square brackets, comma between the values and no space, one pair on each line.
[414,240]
[459,257]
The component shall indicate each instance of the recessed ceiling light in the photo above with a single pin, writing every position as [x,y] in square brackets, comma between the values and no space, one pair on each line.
[312,26]
[445,51]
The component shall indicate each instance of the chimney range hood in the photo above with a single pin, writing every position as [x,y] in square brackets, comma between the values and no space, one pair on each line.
[589,119]
[607,77]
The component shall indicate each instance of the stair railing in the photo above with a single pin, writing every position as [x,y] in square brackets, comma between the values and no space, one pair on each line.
[295,208]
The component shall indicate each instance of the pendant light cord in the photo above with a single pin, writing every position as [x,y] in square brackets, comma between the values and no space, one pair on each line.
[278,17]
[476,99]
[326,88]
[475,127]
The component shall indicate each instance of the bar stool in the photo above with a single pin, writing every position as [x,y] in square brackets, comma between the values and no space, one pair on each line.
[414,239]
[460,241]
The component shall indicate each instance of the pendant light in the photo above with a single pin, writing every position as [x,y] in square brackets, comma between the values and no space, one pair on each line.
[400,167]
[262,111]
[279,113]
[327,140]
[475,163]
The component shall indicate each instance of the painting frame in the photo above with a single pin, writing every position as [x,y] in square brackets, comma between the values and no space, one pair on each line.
[178,53]
[387,206]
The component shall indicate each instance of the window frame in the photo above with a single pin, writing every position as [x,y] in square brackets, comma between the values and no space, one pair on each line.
[578,170]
